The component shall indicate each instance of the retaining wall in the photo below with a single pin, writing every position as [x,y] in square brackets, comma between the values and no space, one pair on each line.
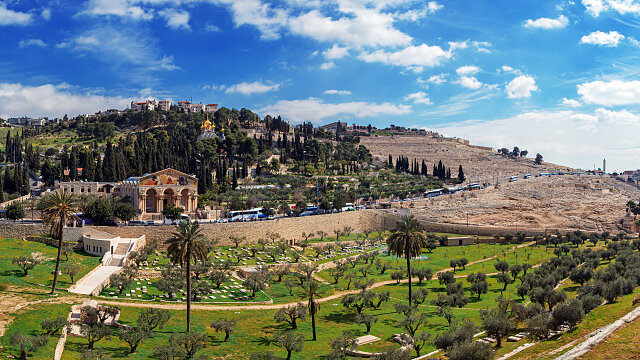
[288,228]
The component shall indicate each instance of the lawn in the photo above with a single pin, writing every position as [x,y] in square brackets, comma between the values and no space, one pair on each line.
[42,274]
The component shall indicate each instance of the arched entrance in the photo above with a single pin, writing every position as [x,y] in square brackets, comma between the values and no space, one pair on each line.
[184,200]
[169,198]
[152,201]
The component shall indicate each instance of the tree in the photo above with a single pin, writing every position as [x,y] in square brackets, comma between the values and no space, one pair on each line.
[152,318]
[446,278]
[407,240]
[188,244]
[432,244]
[124,211]
[412,321]
[99,210]
[133,336]
[309,292]
[367,320]
[14,211]
[471,350]
[581,274]
[463,262]
[52,326]
[120,282]
[58,209]
[347,230]
[538,160]
[26,263]
[461,177]
[71,270]
[505,279]
[172,212]
[218,277]
[502,266]
[255,282]
[393,353]
[497,325]
[94,355]
[224,325]
[340,345]
[95,333]
[290,341]
[419,341]
[478,283]
[568,313]
[190,342]
[322,234]
[169,352]
[539,325]
[291,314]
[27,345]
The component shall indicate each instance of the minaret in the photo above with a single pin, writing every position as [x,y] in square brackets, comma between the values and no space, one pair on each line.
[604,165]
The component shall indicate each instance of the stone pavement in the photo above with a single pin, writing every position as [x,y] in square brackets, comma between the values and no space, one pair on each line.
[88,284]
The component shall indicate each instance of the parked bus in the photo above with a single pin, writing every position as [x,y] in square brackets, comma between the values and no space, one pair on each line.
[474,186]
[246,215]
[433,193]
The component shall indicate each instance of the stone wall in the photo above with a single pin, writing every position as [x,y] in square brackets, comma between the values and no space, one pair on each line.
[19,230]
[288,228]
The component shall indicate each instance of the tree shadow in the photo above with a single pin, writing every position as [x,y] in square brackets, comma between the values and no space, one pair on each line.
[13,272]
[263,340]
[340,318]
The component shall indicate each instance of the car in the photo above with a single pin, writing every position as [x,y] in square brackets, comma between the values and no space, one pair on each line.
[149,223]
[136,223]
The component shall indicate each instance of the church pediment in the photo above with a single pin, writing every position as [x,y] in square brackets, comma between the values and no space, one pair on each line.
[168,177]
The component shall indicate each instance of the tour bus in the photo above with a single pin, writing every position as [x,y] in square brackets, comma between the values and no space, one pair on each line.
[513,178]
[544,174]
[348,207]
[474,186]
[454,189]
[167,221]
[246,215]
[433,193]
[528,176]
[311,210]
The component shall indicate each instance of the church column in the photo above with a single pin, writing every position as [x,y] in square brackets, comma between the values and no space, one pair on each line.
[179,202]
[142,204]
[160,203]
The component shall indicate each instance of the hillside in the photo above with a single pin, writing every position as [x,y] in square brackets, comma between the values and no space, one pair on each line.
[479,163]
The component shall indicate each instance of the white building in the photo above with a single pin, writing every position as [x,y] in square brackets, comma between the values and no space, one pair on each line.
[197,108]
[143,105]
[164,105]
[211,108]
[184,105]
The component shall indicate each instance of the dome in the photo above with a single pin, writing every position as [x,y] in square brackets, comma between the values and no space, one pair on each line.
[207,123]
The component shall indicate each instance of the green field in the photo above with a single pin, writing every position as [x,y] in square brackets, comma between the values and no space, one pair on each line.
[41,275]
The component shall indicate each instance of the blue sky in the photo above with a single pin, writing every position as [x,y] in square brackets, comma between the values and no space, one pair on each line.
[555,77]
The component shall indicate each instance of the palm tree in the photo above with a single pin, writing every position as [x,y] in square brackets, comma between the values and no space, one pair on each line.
[407,240]
[310,292]
[58,208]
[188,243]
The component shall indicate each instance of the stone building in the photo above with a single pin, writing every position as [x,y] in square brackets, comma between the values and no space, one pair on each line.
[150,193]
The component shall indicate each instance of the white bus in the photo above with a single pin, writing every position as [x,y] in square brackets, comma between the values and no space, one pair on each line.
[433,193]
[246,215]
[513,178]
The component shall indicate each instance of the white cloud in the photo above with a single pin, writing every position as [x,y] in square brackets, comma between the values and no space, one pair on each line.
[571,102]
[212,28]
[412,57]
[595,7]
[610,39]
[418,98]
[521,87]
[327,65]
[433,6]
[120,8]
[316,110]
[416,14]
[610,93]
[53,101]
[336,52]
[546,23]
[176,19]
[467,70]
[46,13]
[562,137]
[114,46]
[248,88]
[507,68]
[32,42]
[337,92]
[11,17]
[366,27]
[264,17]
[470,82]
[438,79]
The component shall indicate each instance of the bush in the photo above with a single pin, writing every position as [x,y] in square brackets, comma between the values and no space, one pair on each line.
[472,350]
[590,302]
[568,313]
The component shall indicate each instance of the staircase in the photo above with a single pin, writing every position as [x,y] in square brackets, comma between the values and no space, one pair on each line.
[121,249]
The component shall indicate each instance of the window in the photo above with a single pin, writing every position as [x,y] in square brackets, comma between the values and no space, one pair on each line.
[88,190]
[81,189]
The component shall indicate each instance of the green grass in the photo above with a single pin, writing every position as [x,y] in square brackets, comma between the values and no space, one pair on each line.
[42,274]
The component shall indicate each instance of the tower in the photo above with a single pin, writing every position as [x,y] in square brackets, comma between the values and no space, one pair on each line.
[604,165]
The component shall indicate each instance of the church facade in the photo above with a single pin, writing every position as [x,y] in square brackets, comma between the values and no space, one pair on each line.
[151,193]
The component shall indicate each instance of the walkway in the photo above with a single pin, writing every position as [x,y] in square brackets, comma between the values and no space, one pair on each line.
[88,284]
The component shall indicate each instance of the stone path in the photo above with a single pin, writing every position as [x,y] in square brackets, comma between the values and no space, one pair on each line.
[88,284]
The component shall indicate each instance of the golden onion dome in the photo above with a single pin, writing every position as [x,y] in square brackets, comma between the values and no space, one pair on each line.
[207,123]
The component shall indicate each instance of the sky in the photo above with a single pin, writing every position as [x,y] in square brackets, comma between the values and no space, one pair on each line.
[559,78]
